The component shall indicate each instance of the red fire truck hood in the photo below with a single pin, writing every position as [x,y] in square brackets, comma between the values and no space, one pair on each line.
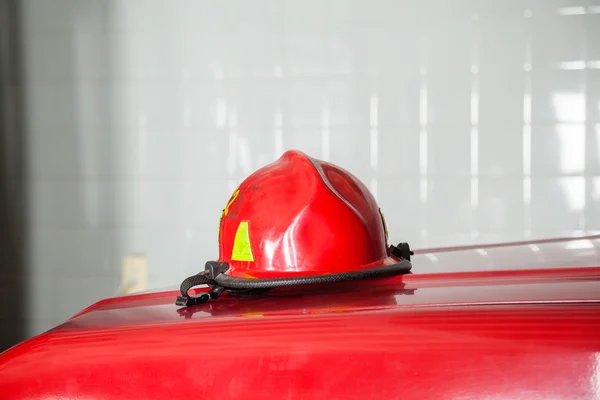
[528,334]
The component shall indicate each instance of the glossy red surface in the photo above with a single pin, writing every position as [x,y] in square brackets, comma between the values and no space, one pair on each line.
[530,334]
[304,217]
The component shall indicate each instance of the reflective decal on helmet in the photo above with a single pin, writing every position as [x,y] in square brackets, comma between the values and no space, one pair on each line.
[384,228]
[242,251]
[233,197]
[226,209]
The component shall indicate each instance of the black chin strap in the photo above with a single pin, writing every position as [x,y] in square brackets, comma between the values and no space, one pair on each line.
[214,276]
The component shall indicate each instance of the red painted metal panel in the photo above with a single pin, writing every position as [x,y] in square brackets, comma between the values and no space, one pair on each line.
[524,334]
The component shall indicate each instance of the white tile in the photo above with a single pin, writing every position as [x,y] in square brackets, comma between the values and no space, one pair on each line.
[306,102]
[256,148]
[449,100]
[350,148]
[256,102]
[175,255]
[593,96]
[204,105]
[146,55]
[558,96]
[359,11]
[256,51]
[567,35]
[164,155]
[304,51]
[449,151]
[592,212]
[196,14]
[501,149]
[340,52]
[501,88]
[503,35]
[82,204]
[449,209]
[126,154]
[126,108]
[402,208]
[94,153]
[65,15]
[42,203]
[201,208]
[501,209]
[70,204]
[91,57]
[126,199]
[348,102]
[387,47]
[40,15]
[398,97]
[558,150]
[94,104]
[51,107]
[398,151]
[42,295]
[557,203]
[308,13]
[82,154]
[158,107]
[180,204]
[91,154]
[593,31]
[85,253]
[50,58]
[141,16]
[69,150]
[592,155]
[159,281]
[160,203]
[163,249]
[43,252]
[42,155]
[101,153]
[205,155]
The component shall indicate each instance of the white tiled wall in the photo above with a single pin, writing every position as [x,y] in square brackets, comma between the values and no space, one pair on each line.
[472,121]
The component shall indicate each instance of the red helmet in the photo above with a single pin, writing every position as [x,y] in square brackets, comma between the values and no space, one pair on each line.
[301,217]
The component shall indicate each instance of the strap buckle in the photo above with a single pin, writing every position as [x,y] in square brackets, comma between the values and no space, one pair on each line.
[402,250]
[213,293]
[211,270]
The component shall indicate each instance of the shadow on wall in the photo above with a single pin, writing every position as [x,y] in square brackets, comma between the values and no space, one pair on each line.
[74,160]
[13,194]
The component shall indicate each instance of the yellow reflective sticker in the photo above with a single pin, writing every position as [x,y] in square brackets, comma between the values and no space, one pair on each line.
[226,209]
[242,250]
[384,227]
[235,195]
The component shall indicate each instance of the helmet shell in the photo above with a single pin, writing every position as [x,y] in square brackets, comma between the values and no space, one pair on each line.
[301,216]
